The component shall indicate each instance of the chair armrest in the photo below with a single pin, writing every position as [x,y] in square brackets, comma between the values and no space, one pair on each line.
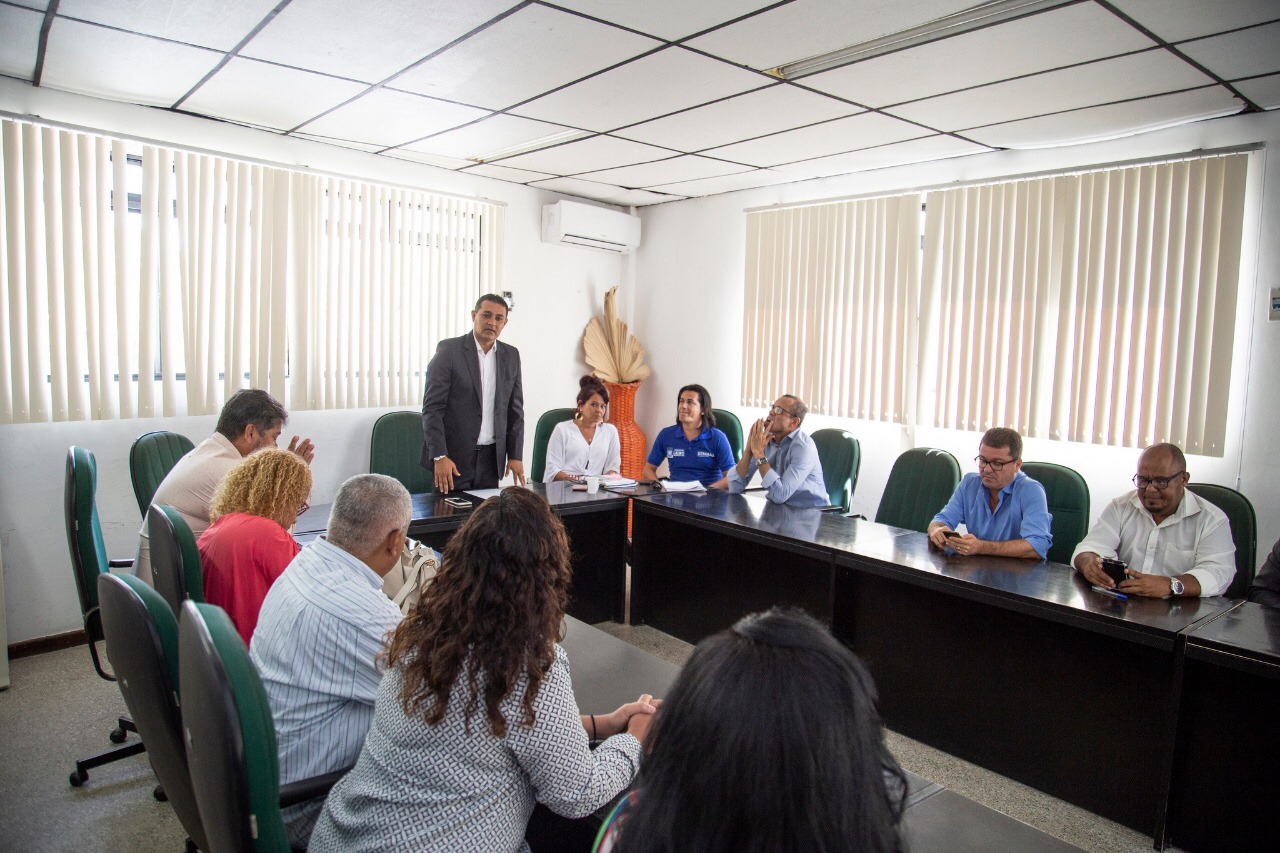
[831,508]
[308,789]
[119,562]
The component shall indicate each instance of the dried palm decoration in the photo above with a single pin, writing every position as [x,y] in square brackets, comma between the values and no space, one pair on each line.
[612,351]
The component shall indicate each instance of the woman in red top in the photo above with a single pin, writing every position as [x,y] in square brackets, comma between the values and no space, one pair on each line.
[248,545]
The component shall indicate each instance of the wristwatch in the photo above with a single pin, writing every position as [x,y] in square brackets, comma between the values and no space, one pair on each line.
[1176,587]
[438,458]
[760,460]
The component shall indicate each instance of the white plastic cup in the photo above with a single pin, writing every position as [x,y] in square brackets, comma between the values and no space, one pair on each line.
[593,485]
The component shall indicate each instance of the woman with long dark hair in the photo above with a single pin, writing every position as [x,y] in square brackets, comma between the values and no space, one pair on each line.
[586,444]
[693,447]
[769,741]
[475,718]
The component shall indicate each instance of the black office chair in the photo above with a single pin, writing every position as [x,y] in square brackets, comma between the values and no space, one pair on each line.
[175,560]
[88,561]
[151,459]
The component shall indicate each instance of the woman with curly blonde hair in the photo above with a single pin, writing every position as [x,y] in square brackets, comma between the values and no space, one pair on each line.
[248,545]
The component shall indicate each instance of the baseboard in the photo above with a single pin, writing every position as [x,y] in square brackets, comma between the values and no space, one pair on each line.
[52,643]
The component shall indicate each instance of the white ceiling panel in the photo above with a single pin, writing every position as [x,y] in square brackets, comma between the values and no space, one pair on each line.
[1116,79]
[1246,53]
[429,159]
[1059,37]
[269,95]
[122,66]
[485,138]
[369,41]
[834,137]
[687,168]
[1263,91]
[654,85]
[668,19]
[21,28]
[808,28]
[579,187]
[533,51]
[727,183]
[1175,20]
[642,198]
[392,118]
[505,173]
[341,143]
[217,25]
[41,5]
[764,111]
[914,151]
[1110,121]
[587,155]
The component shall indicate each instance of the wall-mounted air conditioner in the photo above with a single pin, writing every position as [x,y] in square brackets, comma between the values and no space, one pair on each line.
[579,224]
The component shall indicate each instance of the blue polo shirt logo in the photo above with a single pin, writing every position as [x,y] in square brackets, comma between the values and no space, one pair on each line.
[675,451]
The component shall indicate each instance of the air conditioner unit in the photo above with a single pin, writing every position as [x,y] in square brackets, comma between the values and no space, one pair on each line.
[579,224]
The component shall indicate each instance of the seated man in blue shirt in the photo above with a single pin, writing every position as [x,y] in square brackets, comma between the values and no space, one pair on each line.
[785,456]
[1005,511]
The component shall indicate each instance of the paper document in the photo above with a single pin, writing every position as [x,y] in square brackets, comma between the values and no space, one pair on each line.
[681,486]
[616,482]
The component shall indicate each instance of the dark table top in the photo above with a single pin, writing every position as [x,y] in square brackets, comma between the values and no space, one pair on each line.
[1246,638]
[947,821]
[608,672]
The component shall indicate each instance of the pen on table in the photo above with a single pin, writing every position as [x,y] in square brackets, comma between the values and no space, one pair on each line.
[1110,592]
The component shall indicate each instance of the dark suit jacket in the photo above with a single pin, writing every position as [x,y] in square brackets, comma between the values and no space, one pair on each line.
[451,407]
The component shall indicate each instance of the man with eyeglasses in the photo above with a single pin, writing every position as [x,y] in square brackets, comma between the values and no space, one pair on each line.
[1174,542]
[1005,512]
[785,456]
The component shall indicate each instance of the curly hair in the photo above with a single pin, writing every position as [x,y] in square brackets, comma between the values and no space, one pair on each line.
[492,615]
[271,483]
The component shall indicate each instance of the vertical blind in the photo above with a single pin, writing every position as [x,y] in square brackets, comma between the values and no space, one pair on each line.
[831,304]
[144,281]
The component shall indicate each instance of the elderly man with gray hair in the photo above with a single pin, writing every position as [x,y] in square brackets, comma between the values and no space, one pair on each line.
[320,631]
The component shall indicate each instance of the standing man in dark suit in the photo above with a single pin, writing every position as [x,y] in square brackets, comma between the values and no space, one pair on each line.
[473,408]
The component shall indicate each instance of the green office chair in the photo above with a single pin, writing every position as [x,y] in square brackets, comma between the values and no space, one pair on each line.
[142,632]
[920,484]
[231,739]
[396,450]
[1068,496]
[88,561]
[175,560]
[542,437]
[841,457]
[728,423]
[1244,531]
[151,459]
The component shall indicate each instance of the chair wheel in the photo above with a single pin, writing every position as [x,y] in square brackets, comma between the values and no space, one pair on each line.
[118,735]
[78,778]
[159,794]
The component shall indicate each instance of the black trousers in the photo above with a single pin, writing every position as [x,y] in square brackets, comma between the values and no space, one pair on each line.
[484,469]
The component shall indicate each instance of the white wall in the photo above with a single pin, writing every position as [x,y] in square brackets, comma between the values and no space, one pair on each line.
[557,289]
[689,278]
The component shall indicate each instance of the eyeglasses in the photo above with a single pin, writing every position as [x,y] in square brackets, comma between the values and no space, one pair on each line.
[304,507]
[993,464]
[778,410]
[1161,483]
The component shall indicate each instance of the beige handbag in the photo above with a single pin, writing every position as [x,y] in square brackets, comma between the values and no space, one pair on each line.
[404,583]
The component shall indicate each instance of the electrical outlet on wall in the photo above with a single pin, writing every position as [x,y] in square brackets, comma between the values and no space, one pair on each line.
[1274,314]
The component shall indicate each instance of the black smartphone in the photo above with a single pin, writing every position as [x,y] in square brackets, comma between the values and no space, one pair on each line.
[1114,569]
[460,503]
[950,534]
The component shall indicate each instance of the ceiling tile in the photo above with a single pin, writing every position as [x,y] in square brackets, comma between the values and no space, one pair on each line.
[122,66]
[269,95]
[914,151]
[1124,77]
[806,28]
[727,183]
[686,168]
[654,85]
[21,28]
[598,152]
[779,107]
[369,41]
[1052,39]
[533,51]
[1246,53]
[504,173]
[834,137]
[1175,20]
[1263,91]
[392,118]
[217,25]
[428,159]
[1110,121]
[579,187]
[341,143]
[667,19]
[485,139]
[32,4]
[642,198]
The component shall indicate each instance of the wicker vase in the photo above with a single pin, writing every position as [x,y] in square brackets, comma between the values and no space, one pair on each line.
[631,440]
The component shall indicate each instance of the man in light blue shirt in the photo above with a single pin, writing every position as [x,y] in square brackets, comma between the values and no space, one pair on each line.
[1004,510]
[320,632]
[785,456]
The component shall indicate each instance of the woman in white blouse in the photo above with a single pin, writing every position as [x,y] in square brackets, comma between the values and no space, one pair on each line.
[586,444]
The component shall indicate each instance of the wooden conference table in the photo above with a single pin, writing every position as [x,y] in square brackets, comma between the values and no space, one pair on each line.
[1016,666]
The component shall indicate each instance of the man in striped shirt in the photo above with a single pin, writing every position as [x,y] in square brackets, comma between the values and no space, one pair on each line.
[320,631]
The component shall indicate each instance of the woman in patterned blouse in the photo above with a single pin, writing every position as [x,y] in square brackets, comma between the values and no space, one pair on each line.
[475,719]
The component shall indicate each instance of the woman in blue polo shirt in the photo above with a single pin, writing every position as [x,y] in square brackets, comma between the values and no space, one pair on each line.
[693,447]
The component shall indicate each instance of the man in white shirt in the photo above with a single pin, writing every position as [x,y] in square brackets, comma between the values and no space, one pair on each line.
[320,631]
[1174,542]
[250,420]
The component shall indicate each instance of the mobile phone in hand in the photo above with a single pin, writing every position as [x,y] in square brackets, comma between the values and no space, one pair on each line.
[1115,569]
